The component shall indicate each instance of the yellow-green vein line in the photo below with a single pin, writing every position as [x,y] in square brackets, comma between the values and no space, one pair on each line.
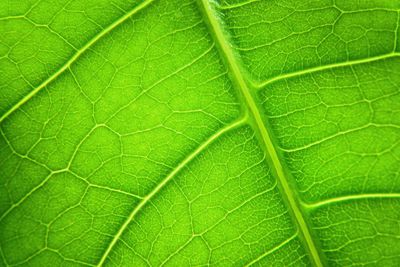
[351,197]
[34,189]
[254,112]
[232,6]
[97,37]
[161,185]
[396,33]
[326,67]
[279,246]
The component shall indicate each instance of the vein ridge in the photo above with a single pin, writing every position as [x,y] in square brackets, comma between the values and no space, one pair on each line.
[277,247]
[237,77]
[169,177]
[76,56]
[338,134]
[350,197]
[326,67]
[396,33]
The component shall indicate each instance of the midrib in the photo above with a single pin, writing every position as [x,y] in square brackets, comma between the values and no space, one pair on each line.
[237,77]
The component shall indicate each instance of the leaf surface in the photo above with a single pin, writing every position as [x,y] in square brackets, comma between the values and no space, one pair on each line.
[180,133]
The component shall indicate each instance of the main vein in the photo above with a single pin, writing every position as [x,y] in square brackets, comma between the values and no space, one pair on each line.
[254,112]
[89,44]
[161,185]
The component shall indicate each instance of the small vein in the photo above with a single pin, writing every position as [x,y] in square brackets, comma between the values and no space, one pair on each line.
[341,133]
[237,5]
[350,197]
[161,80]
[52,31]
[165,181]
[220,220]
[279,246]
[3,257]
[34,189]
[326,67]
[94,40]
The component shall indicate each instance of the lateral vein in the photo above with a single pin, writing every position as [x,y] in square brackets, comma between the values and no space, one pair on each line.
[96,38]
[326,67]
[161,185]
[350,197]
[279,246]
[254,112]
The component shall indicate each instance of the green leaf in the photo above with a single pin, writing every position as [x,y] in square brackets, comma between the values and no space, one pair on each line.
[186,133]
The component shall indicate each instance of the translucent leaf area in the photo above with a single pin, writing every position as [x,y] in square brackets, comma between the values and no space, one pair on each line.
[204,132]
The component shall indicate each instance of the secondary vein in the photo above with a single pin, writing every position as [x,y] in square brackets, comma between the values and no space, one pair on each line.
[79,52]
[351,197]
[254,112]
[161,185]
[326,67]
[279,246]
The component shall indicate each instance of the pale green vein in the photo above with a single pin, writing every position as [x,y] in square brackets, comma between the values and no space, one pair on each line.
[47,178]
[96,38]
[3,257]
[238,78]
[279,246]
[34,189]
[326,67]
[161,185]
[12,17]
[341,133]
[80,263]
[219,221]
[166,77]
[351,197]
[241,4]
[396,33]
[47,27]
